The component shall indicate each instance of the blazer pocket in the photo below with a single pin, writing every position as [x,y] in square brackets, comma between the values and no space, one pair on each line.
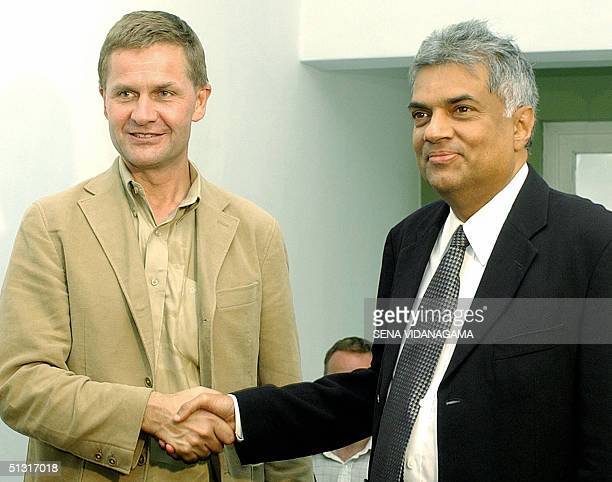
[530,342]
[240,295]
[235,337]
[503,352]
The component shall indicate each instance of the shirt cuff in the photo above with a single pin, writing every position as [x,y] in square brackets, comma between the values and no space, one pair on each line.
[239,434]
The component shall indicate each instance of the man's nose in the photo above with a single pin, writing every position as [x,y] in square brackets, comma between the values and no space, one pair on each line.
[144,111]
[439,127]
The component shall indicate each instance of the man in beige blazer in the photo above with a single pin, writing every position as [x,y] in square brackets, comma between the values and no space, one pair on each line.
[127,294]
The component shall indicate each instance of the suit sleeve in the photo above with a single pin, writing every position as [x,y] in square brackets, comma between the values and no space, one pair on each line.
[308,418]
[39,395]
[305,418]
[279,357]
[594,390]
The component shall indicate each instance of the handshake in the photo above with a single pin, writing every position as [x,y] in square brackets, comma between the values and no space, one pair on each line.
[192,424]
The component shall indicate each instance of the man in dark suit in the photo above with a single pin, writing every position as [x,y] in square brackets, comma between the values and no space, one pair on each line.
[516,403]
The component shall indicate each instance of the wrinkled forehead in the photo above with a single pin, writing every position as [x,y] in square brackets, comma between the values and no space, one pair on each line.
[450,80]
[158,60]
[346,361]
[478,69]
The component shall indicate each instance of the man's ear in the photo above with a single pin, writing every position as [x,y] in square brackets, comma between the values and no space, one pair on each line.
[202,95]
[101,90]
[523,121]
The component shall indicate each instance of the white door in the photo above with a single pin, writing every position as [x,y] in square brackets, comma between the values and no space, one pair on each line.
[578,159]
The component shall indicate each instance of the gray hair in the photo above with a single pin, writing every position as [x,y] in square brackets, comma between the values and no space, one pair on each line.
[137,30]
[470,43]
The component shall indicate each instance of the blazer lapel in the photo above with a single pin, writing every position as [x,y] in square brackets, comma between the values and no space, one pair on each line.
[111,220]
[509,262]
[413,257]
[215,231]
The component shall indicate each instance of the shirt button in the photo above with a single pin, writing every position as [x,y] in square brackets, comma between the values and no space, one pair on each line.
[148,382]
[411,463]
[112,460]
[98,455]
[141,460]
[157,232]
[154,282]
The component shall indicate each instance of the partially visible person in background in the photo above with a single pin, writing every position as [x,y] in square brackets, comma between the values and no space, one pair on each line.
[350,463]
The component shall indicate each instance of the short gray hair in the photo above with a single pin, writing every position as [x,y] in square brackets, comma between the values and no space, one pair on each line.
[470,43]
[142,29]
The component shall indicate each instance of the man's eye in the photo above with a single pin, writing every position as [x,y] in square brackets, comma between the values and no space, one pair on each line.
[419,114]
[165,93]
[124,94]
[464,109]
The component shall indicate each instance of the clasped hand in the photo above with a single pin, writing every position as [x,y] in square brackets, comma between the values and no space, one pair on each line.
[192,424]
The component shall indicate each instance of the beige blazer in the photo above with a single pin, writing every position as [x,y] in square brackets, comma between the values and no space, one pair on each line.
[77,342]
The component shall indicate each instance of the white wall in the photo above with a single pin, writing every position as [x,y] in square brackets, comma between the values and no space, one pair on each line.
[363,33]
[327,153]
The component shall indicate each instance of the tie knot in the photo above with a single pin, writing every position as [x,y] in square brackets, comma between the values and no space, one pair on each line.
[459,239]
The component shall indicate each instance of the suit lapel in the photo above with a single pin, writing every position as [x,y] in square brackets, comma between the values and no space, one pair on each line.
[110,218]
[509,262]
[412,258]
[215,231]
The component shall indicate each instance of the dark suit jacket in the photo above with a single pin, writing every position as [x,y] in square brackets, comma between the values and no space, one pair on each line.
[517,412]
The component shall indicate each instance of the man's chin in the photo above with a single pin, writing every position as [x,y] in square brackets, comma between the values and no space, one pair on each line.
[442,184]
[140,161]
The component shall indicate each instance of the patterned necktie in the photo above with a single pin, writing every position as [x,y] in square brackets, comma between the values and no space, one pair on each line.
[416,366]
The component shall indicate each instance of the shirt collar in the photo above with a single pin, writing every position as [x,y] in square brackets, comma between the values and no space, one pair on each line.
[363,451]
[133,188]
[193,195]
[484,226]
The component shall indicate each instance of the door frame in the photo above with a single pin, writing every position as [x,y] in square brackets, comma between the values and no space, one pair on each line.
[563,140]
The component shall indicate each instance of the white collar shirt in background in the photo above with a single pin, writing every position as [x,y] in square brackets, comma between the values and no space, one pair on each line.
[328,467]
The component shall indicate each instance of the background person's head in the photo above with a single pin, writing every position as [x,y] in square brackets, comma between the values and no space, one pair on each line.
[348,354]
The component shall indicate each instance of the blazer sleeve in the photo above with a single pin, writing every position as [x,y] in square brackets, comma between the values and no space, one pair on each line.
[305,418]
[279,357]
[39,395]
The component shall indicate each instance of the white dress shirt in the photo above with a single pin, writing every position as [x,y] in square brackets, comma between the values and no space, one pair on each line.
[482,231]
